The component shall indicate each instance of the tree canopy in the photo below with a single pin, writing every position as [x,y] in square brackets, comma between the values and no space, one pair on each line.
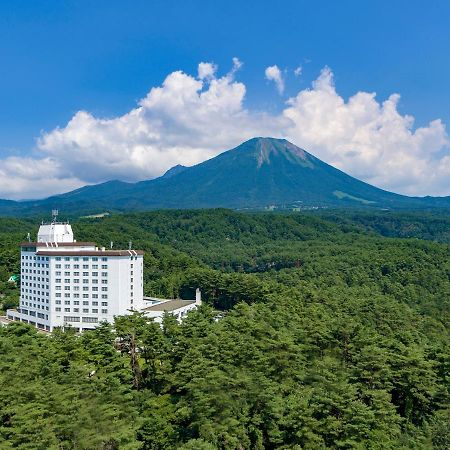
[316,332]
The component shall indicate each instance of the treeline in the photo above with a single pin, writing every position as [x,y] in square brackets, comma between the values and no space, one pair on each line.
[315,334]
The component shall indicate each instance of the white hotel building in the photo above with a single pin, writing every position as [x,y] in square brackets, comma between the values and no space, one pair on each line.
[64,282]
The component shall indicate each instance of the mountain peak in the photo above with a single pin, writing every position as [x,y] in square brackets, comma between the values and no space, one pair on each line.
[266,149]
[260,172]
[174,171]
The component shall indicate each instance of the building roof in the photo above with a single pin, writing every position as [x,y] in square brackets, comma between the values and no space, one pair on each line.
[90,253]
[169,305]
[57,244]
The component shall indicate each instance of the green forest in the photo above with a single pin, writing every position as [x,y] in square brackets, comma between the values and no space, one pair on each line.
[319,330]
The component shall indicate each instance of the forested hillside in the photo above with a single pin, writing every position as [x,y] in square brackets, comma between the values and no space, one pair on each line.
[317,332]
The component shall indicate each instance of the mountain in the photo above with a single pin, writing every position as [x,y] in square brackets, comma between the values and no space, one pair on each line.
[174,171]
[259,173]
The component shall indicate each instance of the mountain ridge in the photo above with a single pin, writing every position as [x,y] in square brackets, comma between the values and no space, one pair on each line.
[259,173]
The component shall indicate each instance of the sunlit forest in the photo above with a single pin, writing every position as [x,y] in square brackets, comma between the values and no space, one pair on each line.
[320,330]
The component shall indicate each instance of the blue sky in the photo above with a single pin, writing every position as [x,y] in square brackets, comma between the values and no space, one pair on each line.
[103,57]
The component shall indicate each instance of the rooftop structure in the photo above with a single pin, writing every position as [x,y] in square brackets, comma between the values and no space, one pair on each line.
[54,231]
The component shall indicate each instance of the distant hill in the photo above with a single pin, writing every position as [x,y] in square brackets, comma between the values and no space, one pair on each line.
[174,171]
[260,173]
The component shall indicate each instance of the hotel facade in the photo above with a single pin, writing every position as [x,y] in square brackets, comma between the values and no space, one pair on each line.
[77,284]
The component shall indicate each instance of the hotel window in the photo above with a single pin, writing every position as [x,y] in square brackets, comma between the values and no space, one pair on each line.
[104,311]
[58,280]
[95,289]
[58,288]
[76,302]
[95,274]
[95,311]
[104,289]
[104,295]
[67,274]
[104,259]
[67,295]
[85,303]
[76,281]
[85,258]
[76,274]
[76,258]
[58,258]
[94,295]
[90,319]
[66,258]
[57,302]
[67,302]
[85,310]
[85,295]
[76,309]
[94,258]
[71,319]
[85,288]
[85,266]
[58,294]
[76,266]
[67,288]
[95,266]
[66,266]
[58,273]
[94,281]
[66,280]
[58,309]
[67,309]
[94,303]
[104,274]
[104,266]
[85,274]
[104,303]
[86,281]
[76,295]
[58,266]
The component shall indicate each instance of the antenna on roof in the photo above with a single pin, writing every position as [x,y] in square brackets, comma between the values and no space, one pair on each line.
[129,245]
[55,213]
[29,237]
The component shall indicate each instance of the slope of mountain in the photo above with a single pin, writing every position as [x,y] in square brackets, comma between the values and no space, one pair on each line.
[174,171]
[256,174]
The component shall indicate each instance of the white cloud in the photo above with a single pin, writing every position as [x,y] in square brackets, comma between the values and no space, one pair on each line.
[273,73]
[206,70]
[298,71]
[189,119]
[34,178]
[368,139]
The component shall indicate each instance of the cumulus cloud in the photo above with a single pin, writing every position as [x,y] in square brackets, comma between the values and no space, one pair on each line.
[368,139]
[192,118]
[298,71]
[273,73]
[206,70]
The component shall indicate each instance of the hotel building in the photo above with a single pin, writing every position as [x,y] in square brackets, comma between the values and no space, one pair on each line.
[64,282]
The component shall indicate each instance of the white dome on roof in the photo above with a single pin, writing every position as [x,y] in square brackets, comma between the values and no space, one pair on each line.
[55,232]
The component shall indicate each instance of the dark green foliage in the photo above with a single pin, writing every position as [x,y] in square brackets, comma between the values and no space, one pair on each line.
[314,334]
